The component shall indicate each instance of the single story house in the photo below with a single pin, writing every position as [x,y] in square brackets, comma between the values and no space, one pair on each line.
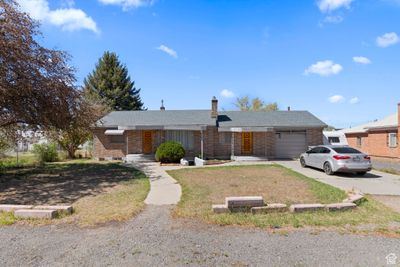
[208,133]
[378,138]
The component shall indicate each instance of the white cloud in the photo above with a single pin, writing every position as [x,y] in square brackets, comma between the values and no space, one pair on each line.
[354,100]
[331,5]
[387,39]
[336,99]
[69,19]
[127,4]
[168,50]
[324,68]
[227,93]
[361,60]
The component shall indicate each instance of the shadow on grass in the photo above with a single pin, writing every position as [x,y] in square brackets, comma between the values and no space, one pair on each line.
[62,183]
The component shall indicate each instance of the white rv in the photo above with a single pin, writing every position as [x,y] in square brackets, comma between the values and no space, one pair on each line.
[335,138]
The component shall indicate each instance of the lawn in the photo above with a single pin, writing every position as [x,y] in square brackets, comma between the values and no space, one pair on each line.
[24,160]
[100,192]
[203,187]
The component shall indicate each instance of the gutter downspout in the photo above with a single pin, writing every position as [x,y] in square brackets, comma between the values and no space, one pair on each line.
[127,143]
[233,146]
[201,144]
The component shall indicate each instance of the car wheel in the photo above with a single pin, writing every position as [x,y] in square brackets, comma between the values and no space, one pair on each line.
[303,162]
[328,168]
[361,173]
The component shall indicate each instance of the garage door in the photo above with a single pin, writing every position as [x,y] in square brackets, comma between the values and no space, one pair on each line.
[290,145]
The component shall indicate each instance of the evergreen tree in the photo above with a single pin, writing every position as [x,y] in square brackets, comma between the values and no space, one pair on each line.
[111,84]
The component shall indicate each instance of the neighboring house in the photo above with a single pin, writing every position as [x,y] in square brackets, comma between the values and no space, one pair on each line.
[208,133]
[335,138]
[378,138]
[28,138]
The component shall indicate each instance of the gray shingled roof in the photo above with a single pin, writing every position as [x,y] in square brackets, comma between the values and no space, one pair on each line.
[274,119]
[203,117]
[157,118]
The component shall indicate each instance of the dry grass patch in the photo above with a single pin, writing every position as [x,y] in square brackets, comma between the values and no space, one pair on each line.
[203,187]
[99,191]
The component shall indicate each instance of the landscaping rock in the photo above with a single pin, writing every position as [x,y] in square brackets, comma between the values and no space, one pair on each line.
[221,208]
[340,206]
[67,210]
[306,207]
[10,208]
[357,199]
[270,208]
[35,214]
[244,202]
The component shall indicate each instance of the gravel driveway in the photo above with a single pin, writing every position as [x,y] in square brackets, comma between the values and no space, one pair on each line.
[154,239]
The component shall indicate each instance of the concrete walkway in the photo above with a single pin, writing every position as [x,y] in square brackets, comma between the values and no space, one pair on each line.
[374,182]
[164,190]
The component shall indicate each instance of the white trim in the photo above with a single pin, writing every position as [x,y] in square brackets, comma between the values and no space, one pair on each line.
[114,132]
[245,129]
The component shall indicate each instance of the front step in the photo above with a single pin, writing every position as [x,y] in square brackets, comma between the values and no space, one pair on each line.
[139,158]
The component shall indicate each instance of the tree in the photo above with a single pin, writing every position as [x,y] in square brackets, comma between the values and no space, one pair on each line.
[256,104]
[78,131]
[111,84]
[36,83]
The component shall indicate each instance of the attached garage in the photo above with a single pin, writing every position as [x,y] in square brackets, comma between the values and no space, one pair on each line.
[289,145]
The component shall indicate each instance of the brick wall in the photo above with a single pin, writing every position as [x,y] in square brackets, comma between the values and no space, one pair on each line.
[314,137]
[263,143]
[375,144]
[104,148]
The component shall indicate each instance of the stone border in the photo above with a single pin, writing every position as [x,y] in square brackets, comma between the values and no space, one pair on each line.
[256,205]
[36,212]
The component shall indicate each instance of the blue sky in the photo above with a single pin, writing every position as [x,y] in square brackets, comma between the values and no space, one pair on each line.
[339,59]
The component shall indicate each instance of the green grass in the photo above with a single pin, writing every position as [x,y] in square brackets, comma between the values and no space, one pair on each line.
[198,191]
[24,160]
[7,218]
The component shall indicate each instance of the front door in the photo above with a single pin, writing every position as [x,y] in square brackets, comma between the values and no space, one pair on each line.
[147,142]
[247,143]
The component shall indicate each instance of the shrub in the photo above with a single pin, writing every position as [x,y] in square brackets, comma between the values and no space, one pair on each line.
[170,152]
[45,152]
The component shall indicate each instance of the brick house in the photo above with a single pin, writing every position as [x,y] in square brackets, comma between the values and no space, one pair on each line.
[208,133]
[378,138]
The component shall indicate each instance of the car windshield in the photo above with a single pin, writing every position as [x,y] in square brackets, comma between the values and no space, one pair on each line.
[346,150]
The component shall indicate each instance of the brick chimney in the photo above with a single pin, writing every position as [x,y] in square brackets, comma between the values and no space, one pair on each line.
[214,108]
[162,105]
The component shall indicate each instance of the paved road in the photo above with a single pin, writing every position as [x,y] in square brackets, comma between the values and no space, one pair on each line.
[154,239]
[376,183]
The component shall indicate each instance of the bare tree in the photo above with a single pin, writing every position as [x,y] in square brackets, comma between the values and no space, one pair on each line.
[255,104]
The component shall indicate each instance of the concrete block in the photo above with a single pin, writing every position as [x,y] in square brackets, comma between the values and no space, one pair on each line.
[220,208]
[60,209]
[199,162]
[244,202]
[270,208]
[354,199]
[306,207]
[10,208]
[340,206]
[35,214]
[184,162]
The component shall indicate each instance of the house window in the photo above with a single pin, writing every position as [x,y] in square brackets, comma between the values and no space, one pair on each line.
[392,140]
[359,141]
[117,139]
[186,138]
[334,140]
[225,138]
